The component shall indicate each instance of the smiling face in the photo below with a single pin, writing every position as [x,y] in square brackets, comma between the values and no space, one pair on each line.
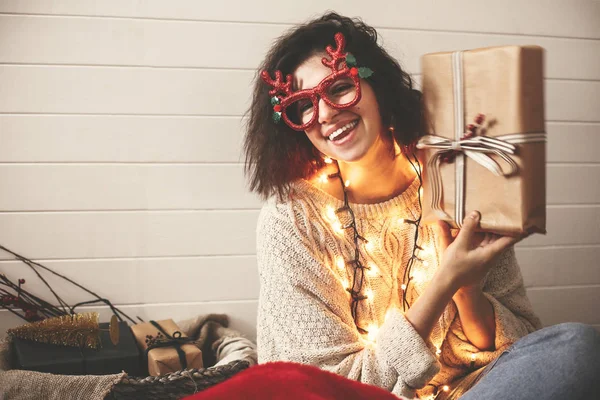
[345,135]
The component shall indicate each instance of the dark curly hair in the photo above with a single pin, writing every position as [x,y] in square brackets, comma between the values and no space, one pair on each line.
[276,155]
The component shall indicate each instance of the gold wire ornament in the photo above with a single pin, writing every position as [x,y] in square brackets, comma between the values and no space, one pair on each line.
[77,330]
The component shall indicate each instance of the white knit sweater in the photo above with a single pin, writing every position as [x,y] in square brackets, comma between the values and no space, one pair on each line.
[304,311]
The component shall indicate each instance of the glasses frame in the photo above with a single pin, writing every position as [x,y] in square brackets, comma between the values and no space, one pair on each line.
[284,95]
[319,92]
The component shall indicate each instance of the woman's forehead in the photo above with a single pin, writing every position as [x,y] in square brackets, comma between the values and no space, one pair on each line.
[310,73]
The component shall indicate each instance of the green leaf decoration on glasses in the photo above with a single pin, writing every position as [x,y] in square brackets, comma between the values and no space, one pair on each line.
[365,72]
[350,60]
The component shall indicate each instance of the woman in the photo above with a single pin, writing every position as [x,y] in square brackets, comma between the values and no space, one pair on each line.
[350,280]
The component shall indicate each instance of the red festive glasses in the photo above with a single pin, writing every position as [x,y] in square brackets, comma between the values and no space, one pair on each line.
[339,90]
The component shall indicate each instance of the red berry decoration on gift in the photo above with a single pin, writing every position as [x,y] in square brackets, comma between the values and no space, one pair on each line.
[448,157]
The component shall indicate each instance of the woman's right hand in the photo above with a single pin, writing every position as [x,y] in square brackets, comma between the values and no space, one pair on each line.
[468,258]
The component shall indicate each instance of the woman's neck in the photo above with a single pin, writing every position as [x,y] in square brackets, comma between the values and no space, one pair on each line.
[377,177]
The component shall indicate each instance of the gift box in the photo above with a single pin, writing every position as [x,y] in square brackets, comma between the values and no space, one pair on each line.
[167,348]
[485,143]
[110,359]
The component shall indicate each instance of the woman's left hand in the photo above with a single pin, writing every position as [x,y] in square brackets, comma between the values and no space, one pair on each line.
[480,239]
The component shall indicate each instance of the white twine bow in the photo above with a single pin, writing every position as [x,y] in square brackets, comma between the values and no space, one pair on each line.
[478,149]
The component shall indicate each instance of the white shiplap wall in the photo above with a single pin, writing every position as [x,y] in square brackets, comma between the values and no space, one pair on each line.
[120,138]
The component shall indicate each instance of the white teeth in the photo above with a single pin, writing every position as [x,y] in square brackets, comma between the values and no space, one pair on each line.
[343,129]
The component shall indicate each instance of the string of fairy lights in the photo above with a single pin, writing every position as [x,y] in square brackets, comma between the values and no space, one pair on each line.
[357,294]
[356,288]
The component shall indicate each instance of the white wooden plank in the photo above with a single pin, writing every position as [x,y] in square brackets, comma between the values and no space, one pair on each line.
[124,187]
[135,281]
[573,101]
[66,235]
[101,41]
[577,225]
[573,184]
[84,41]
[569,142]
[102,138]
[170,187]
[409,46]
[242,314]
[93,138]
[119,90]
[557,305]
[206,277]
[538,17]
[51,89]
[559,266]
[129,234]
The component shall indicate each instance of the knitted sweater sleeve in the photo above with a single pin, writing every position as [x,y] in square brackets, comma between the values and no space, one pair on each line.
[304,316]
[513,313]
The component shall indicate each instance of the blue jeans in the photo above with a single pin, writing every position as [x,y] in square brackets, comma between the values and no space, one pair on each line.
[559,362]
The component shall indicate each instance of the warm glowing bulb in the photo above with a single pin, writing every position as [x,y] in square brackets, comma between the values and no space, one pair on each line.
[438,351]
[330,213]
[403,287]
[373,329]
[339,261]
[446,388]
[323,178]
[337,227]
[373,270]
[328,160]
[369,246]
[347,183]
[418,276]
[426,250]
[426,263]
[421,192]
[401,220]
[369,294]
[345,283]
[473,357]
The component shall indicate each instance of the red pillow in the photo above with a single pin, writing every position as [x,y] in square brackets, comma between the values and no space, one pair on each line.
[291,381]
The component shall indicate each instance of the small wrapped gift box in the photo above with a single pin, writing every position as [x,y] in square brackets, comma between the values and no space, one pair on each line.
[485,144]
[167,348]
[110,359]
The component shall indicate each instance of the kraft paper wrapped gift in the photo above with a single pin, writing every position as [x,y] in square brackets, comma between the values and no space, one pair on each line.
[166,357]
[496,167]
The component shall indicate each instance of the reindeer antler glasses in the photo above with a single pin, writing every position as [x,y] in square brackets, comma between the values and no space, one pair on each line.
[339,90]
